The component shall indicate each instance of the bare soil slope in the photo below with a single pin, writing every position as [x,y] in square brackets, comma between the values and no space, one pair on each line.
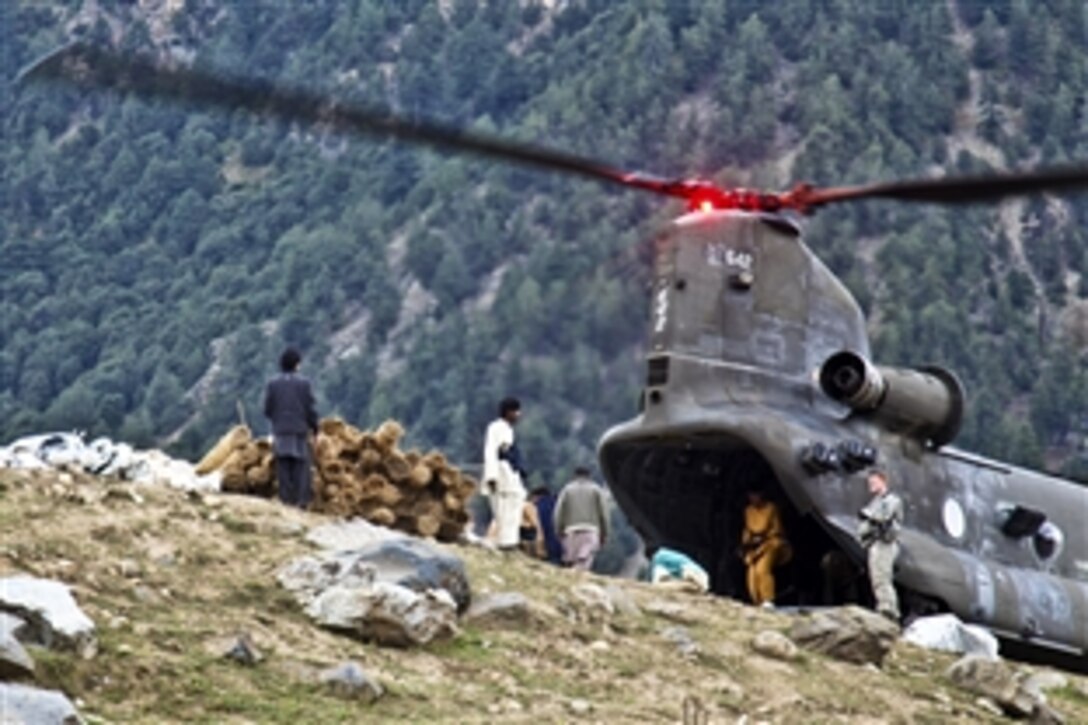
[171,579]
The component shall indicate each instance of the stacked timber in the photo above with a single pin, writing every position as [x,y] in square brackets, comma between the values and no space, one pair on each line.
[245,465]
[357,473]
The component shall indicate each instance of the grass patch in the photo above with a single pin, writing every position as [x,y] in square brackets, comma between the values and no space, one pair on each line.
[936,718]
[715,662]
[109,534]
[258,594]
[237,526]
[199,687]
[203,558]
[468,647]
[58,670]
[1070,694]
[9,515]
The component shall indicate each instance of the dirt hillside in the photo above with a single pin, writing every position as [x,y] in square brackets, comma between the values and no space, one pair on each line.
[171,579]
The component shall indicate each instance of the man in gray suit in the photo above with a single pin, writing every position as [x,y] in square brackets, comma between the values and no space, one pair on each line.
[289,406]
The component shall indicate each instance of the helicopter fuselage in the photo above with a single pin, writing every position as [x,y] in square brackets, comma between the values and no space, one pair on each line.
[744,319]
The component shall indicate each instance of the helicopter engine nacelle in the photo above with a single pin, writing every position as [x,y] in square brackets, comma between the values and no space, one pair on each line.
[926,404]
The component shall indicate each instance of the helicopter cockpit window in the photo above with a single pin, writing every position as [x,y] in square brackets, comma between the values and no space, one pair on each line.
[1047,542]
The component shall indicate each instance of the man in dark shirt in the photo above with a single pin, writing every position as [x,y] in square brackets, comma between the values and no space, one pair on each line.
[289,407]
[544,500]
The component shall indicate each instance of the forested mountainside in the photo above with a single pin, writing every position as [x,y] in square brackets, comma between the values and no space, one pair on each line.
[155,259]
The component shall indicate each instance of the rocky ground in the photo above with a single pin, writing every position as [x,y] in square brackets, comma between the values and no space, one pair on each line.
[173,580]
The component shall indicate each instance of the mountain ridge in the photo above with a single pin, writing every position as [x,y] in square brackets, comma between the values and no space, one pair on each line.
[183,255]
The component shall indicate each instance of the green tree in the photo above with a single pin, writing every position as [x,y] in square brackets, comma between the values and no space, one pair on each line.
[989,45]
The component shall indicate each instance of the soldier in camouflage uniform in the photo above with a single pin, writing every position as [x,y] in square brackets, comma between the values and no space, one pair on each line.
[879,533]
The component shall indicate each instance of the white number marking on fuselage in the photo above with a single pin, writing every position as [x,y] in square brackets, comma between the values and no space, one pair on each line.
[718,255]
[661,309]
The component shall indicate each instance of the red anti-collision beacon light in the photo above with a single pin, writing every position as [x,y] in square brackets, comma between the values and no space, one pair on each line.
[703,196]
[705,199]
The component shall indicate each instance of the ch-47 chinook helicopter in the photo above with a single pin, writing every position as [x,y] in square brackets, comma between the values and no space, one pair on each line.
[759,372]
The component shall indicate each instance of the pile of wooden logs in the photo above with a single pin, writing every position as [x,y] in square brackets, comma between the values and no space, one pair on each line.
[245,465]
[356,473]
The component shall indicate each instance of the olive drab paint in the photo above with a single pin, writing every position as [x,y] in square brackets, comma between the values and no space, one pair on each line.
[759,373]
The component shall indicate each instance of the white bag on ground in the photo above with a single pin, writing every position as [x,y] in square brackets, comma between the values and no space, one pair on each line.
[946,633]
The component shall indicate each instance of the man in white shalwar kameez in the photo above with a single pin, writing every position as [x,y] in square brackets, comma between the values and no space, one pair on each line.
[503,469]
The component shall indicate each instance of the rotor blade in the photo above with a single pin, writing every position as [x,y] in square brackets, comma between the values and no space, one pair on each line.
[92,67]
[955,190]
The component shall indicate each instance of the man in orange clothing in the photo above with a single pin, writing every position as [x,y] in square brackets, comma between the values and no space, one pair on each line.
[763,547]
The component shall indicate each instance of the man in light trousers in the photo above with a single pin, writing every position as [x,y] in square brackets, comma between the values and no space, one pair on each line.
[503,477]
[582,520]
[878,530]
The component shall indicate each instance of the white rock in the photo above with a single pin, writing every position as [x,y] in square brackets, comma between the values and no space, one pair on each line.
[352,534]
[682,639]
[989,706]
[775,645]
[946,633]
[128,568]
[23,704]
[1039,682]
[351,680]
[50,603]
[387,613]
[672,611]
[622,602]
[593,599]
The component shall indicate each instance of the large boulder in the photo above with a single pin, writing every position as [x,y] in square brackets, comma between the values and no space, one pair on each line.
[590,603]
[398,593]
[24,705]
[418,566]
[386,613]
[994,679]
[1038,683]
[408,562]
[53,618]
[848,633]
